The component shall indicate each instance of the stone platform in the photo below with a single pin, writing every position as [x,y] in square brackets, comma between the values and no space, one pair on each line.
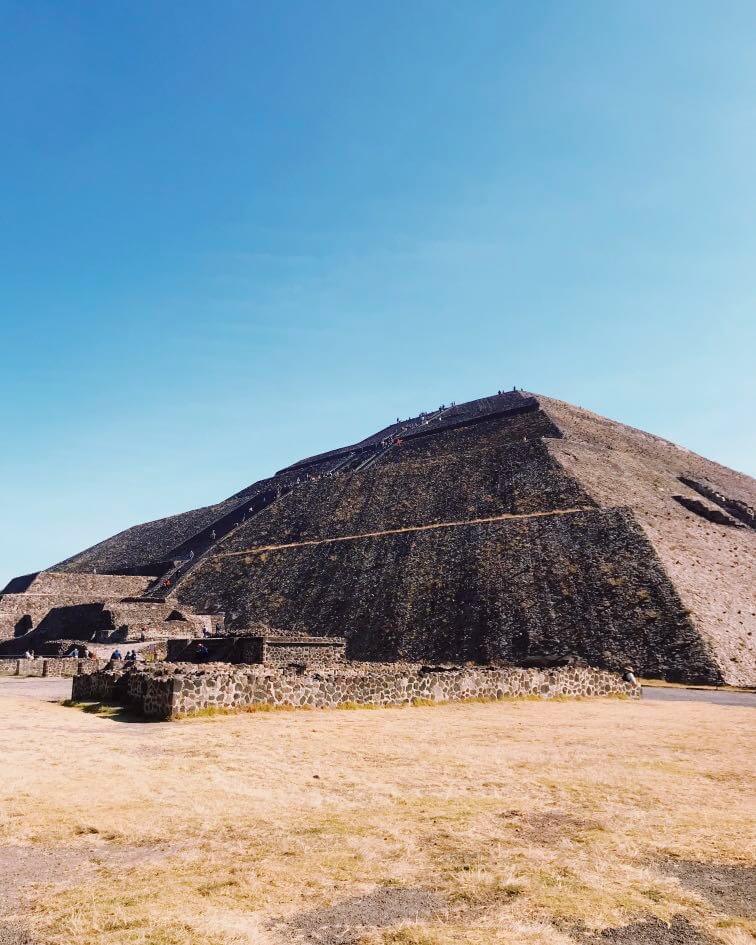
[169,691]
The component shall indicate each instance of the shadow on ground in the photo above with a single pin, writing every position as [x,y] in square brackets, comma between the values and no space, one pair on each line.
[108,710]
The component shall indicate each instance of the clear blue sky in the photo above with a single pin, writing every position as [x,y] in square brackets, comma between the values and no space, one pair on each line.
[235,233]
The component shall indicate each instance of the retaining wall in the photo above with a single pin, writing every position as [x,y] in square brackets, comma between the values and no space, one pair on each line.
[55,666]
[168,693]
[313,652]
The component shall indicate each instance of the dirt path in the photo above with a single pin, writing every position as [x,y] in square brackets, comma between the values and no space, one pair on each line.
[713,696]
[49,689]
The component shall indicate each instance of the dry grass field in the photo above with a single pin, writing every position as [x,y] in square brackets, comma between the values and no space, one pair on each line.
[520,822]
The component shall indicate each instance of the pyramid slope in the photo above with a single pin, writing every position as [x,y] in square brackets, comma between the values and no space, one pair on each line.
[712,566]
[145,547]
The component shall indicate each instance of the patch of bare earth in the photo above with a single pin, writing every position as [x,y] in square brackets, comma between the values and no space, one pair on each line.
[549,826]
[651,932]
[731,888]
[347,922]
[28,870]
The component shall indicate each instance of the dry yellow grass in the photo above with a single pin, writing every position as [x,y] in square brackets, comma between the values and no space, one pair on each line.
[527,818]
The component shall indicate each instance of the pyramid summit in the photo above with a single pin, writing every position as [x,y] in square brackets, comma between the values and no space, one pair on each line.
[510,528]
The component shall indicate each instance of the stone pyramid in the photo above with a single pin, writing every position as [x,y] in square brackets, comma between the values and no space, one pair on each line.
[508,528]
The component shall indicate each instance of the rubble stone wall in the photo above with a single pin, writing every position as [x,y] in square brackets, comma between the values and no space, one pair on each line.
[458,475]
[312,655]
[69,614]
[186,689]
[100,686]
[64,603]
[711,566]
[63,666]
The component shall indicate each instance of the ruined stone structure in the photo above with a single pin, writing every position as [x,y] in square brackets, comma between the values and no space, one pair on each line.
[168,691]
[41,666]
[312,652]
[48,611]
[494,531]
[269,649]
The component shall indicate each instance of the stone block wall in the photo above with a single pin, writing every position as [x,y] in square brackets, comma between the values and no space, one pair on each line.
[505,404]
[22,613]
[79,586]
[313,652]
[181,690]
[101,686]
[62,666]
[32,617]
[129,621]
[712,567]
[65,666]
[89,586]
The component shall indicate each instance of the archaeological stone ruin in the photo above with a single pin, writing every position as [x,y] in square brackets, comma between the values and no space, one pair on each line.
[170,691]
[510,534]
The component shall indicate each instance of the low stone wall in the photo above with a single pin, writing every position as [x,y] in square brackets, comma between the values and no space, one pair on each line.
[313,652]
[169,691]
[103,686]
[53,666]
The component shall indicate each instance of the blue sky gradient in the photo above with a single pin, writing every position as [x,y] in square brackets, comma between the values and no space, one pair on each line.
[238,233]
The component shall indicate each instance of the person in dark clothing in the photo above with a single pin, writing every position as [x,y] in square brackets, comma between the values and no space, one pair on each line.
[202,651]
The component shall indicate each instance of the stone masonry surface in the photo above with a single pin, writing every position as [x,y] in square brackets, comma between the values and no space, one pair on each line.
[417,560]
[38,609]
[170,692]
[312,652]
[586,583]
[63,666]
[712,567]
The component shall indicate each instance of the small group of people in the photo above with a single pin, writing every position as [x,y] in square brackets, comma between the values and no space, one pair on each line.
[76,652]
[79,652]
[131,656]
